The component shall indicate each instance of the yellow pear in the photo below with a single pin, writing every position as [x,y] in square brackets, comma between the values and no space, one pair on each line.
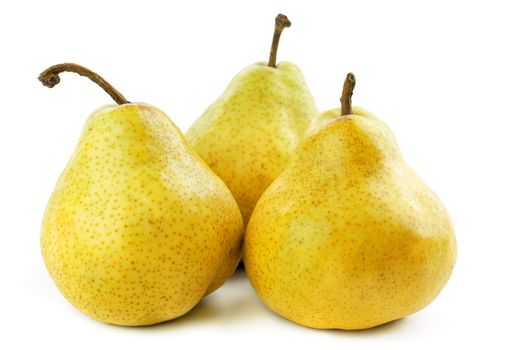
[138,228]
[249,134]
[348,236]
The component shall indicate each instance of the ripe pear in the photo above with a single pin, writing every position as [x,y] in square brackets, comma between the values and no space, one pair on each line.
[348,236]
[138,228]
[248,135]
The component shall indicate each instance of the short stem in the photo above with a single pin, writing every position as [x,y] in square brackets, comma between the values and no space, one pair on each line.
[281,23]
[50,77]
[346,96]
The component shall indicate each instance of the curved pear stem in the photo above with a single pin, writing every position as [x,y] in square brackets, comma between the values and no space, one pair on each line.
[281,22]
[346,95]
[50,77]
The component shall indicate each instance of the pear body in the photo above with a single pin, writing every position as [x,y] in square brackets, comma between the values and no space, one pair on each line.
[348,236]
[138,228]
[249,133]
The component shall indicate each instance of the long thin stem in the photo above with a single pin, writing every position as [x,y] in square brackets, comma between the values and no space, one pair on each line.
[346,95]
[50,77]
[281,22]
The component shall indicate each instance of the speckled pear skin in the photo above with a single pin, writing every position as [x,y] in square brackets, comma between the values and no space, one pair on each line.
[138,228]
[248,135]
[348,236]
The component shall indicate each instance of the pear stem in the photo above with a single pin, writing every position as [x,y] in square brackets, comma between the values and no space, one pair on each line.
[346,95]
[50,77]
[281,22]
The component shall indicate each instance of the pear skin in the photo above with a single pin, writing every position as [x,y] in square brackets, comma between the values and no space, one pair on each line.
[248,135]
[138,228]
[348,236]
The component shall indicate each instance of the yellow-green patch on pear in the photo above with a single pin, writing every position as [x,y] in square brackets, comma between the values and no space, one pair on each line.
[249,134]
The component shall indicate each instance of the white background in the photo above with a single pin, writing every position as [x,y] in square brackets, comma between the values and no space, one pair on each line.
[447,76]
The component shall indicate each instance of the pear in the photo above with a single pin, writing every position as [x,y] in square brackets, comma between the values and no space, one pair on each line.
[348,236]
[248,135]
[139,228]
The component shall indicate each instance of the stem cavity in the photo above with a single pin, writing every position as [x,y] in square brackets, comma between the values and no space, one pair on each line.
[281,22]
[50,77]
[346,95]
